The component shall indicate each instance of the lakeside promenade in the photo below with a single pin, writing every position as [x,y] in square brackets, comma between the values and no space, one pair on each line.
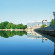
[47,30]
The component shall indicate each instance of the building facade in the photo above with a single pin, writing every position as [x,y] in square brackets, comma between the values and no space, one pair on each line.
[54,16]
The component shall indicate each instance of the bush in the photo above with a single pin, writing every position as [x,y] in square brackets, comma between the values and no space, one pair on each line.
[52,22]
[44,25]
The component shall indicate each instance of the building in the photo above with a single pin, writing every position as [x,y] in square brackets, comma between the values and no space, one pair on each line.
[54,15]
[36,24]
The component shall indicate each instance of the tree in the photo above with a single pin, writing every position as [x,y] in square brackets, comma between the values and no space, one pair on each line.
[18,26]
[1,27]
[21,26]
[52,22]
[12,26]
[7,25]
[25,26]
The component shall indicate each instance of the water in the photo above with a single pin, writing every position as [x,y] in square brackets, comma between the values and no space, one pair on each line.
[22,43]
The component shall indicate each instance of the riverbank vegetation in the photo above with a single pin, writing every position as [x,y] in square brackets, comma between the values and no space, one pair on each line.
[44,25]
[7,25]
[52,22]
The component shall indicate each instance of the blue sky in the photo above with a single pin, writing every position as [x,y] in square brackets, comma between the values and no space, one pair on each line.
[25,11]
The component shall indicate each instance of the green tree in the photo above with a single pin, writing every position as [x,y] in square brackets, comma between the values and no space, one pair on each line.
[3,25]
[25,26]
[21,26]
[52,22]
[18,26]
[12,26]
[7,25]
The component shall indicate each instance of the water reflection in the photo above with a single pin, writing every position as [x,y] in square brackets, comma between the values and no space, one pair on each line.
[30,43]
[35,35]
[30,36]
[52,39]
[7,34]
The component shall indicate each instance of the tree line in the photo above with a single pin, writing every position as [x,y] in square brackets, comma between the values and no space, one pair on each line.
[7,25]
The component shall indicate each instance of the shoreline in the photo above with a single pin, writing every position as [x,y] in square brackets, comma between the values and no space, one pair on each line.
[50,33]
[27,30]
[12,29]
[47,30]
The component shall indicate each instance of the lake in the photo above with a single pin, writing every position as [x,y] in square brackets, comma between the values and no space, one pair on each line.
[25,43]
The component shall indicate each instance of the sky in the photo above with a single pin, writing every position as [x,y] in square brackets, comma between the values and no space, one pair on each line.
[25,11]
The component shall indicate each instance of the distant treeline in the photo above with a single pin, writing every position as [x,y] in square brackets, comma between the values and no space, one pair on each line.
[7,25]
